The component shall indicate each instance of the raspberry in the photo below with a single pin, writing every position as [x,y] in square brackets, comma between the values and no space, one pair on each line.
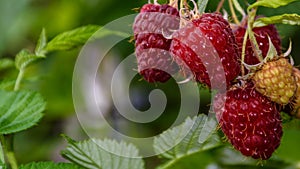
[152,47]
[250,121]
[208,48]
[261,34]
[276,81]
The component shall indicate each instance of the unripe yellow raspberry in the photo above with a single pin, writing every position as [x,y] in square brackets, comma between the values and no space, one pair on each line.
[276,80]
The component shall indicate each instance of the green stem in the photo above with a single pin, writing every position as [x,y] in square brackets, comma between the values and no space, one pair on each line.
[2,160]
[7,143]
[234,17]
[252,38]
[19,79]
[244,52]
[182,6]
[174,3]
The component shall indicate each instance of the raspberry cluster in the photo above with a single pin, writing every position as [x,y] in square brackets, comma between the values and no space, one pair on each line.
[259,80]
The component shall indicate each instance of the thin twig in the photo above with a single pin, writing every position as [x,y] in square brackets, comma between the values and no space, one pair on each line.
[7,143]
[220,5]
[252,37]
[234,17]
[19,79]
[244,52]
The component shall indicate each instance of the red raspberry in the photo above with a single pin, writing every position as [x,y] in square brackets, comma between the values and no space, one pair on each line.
[208,48]
[261,34]
[250,120]
[150,26]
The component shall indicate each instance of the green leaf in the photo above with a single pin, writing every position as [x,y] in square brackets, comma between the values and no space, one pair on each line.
[19,110]
[238,7]
[192,161]
[24,58]
[202,5]
[71,39]
[3,166]
[290,19]
[6,63]
[209,129]
[270,4]
[103,154]
[272,52]
[228,157]
[7,84]
[41,44]
[103,32]
[50,165]
[185,137]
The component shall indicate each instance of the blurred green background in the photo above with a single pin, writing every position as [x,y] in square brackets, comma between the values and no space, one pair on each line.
[21,22]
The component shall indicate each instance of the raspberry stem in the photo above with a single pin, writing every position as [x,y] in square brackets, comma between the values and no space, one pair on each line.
[220,5]
[174,3]
[7,143]
[182,12]
[244,52]
[234,17]
[182,4]
[252,37]
[195,10]
[238,7]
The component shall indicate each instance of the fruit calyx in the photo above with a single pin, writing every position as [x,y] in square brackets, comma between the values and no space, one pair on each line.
[271,55]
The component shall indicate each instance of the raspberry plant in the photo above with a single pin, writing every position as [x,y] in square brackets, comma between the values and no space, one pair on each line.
[247,113]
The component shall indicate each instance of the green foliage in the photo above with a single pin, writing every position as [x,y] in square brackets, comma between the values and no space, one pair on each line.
[103,154]
[229,158]
[106,32]
[71,39]
[19,110]
[2,158]
[24,58]
[290,19]
[41,44]
[192,161]
[270,4]
[202,5]
[185,138]
[6,63]
[50,165]
[7,84]
[238,7]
